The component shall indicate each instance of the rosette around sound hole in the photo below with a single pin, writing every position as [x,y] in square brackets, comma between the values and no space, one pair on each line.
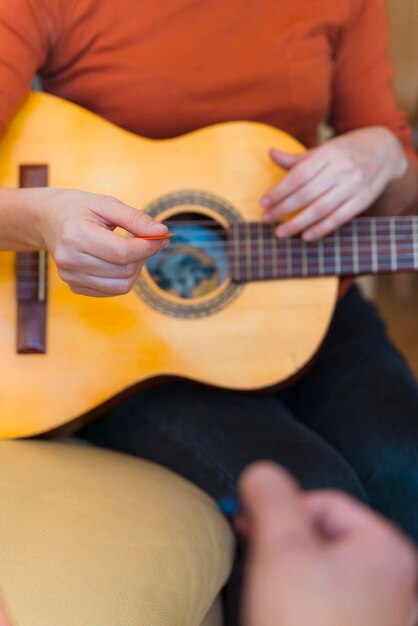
[190,278]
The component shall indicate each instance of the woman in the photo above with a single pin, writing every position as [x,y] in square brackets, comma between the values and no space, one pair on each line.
[161,69]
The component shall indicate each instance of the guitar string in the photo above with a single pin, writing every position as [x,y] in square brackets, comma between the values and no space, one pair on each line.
[379,221]
[330,239]
[405,233]
[344,261]
[402,257]
[402,227]
[310,249]
[297,273]
[345,264]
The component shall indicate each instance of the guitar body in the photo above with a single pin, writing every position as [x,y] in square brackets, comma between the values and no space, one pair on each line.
[242,337]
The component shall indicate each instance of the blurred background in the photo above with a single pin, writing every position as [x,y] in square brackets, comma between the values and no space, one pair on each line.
[397,296]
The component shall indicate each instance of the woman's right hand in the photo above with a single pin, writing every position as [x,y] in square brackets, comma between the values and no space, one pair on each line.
[77,229]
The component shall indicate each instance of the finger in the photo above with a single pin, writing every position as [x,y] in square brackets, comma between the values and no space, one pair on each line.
[298,177]
[362,537]
[101,287]
[109,246]
[136,222]
[93,266]
[286,160]
[340,517]
[300,199]
[337,218]
[116,271]
[337,515]
[272,502]
[323,206]
[91,293]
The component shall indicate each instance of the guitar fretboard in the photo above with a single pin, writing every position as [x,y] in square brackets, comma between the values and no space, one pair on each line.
[366,245]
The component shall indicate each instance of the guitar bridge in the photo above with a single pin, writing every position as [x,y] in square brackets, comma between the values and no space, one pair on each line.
[32,281]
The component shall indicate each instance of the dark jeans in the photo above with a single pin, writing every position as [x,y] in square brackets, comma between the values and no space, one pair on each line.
[351,423]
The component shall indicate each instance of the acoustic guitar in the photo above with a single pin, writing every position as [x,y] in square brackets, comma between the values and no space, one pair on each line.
[227,304]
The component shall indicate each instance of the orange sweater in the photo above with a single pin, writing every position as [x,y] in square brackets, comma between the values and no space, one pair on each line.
[164,67]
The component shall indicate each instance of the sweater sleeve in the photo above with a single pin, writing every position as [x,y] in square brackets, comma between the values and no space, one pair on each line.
[363,78]
[27,32]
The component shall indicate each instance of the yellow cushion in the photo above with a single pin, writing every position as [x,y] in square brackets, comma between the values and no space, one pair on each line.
[90,537]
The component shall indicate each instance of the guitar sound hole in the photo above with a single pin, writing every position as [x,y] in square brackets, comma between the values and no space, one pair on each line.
[196,263]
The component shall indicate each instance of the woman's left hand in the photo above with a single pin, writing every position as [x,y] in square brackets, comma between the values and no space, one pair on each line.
[333,183]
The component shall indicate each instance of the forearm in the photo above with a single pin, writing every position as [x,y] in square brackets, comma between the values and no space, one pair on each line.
[20,216]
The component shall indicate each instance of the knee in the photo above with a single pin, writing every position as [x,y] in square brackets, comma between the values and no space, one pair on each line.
[393,491]
[332,472]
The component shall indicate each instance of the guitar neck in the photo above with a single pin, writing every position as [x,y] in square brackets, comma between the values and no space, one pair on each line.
[366,245]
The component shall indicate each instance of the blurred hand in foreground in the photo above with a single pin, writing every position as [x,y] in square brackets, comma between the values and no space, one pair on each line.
[320,558]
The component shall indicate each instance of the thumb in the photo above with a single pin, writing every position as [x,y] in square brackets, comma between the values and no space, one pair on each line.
[286,160]
[134,221]
[278,520]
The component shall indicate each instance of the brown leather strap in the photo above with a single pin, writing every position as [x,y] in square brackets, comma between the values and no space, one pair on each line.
[31,281]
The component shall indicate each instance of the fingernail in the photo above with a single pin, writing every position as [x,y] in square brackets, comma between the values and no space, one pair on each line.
[157,227]
[266,218]
[266,202]
[281,232]
[166,243]
[308,236]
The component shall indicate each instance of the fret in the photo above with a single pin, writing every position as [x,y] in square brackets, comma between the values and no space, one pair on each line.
[392,241]
[274,256]
[289,261]
[260,238]
[321,257]
[248,255]
[304,253]
[354,244]
[364,229]
[375,264]
[365,245]
[297,257]
[337,252]
[415,241]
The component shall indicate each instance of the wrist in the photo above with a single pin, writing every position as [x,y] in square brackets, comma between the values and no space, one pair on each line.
[394,155]
[400,193]
[36,203]
[23,212]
